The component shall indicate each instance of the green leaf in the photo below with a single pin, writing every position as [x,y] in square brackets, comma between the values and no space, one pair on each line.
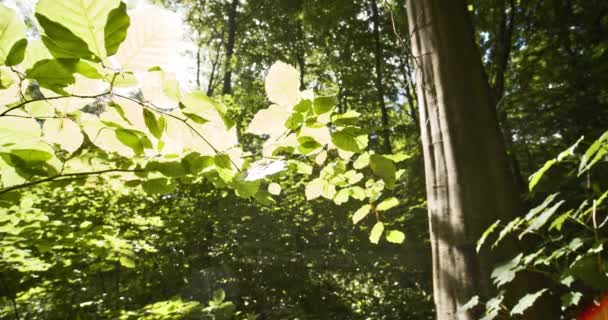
[40,109]
[63,132]
[349,118]
[384,168]
[323,105]
[570,299]
[115,30]
[505,272]
[314,188]
[219,296]
[387,204]
[86,19]
[53,74]
[274,188]
[536,176]
[127,262]
[32,155]
[376,233]
[342,197]
[308,144]
[12,30]
[6,81]
[526,302]
[597,150]
[13,130]
[540,221]
[17,53]
[133,139]
[349,139]
[485,235]
[167,168]
[394,236]
[61,42]
[222,161]
[303,106]
[158,186]
[473,302]
[156,126]
[362,161]
[244,188]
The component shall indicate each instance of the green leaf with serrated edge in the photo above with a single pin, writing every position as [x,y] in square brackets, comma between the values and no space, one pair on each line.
[115,30]
[535,177]
[12,30]
[473,302]
[394,236]
[376,233]
[86,19]
[536,210]
[597,150]
[570,299]
[540,221]
[526,302]
[314,189]
[387,204]
[17,53]
[61,42]
[505,272]
[485,235]
[559,221]
[323,105]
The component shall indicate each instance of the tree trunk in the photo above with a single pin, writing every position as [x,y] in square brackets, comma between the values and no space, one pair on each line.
[230,47]
[198,67]
[500,56]
[467,174]
[379,78]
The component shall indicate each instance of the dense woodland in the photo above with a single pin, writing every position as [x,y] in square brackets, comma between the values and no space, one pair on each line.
[303,159]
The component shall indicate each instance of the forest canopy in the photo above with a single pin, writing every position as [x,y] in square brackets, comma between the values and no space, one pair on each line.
[274,159]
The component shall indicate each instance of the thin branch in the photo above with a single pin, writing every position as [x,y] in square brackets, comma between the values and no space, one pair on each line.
[59,177]
[5,112]
[153,108]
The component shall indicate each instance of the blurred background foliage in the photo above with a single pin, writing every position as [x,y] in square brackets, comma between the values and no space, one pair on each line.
[93,250]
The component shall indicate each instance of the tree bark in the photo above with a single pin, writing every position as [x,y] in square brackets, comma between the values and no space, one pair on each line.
[379,78]
[468,180]
[230,46]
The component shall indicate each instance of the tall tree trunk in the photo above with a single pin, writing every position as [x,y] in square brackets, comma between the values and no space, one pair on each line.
[379,78]
[468,182]
[230,47]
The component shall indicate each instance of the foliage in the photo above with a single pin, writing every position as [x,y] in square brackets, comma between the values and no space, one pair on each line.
[568,237]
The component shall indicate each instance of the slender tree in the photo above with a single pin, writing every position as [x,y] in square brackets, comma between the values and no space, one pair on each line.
[232,12]
[378,55]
